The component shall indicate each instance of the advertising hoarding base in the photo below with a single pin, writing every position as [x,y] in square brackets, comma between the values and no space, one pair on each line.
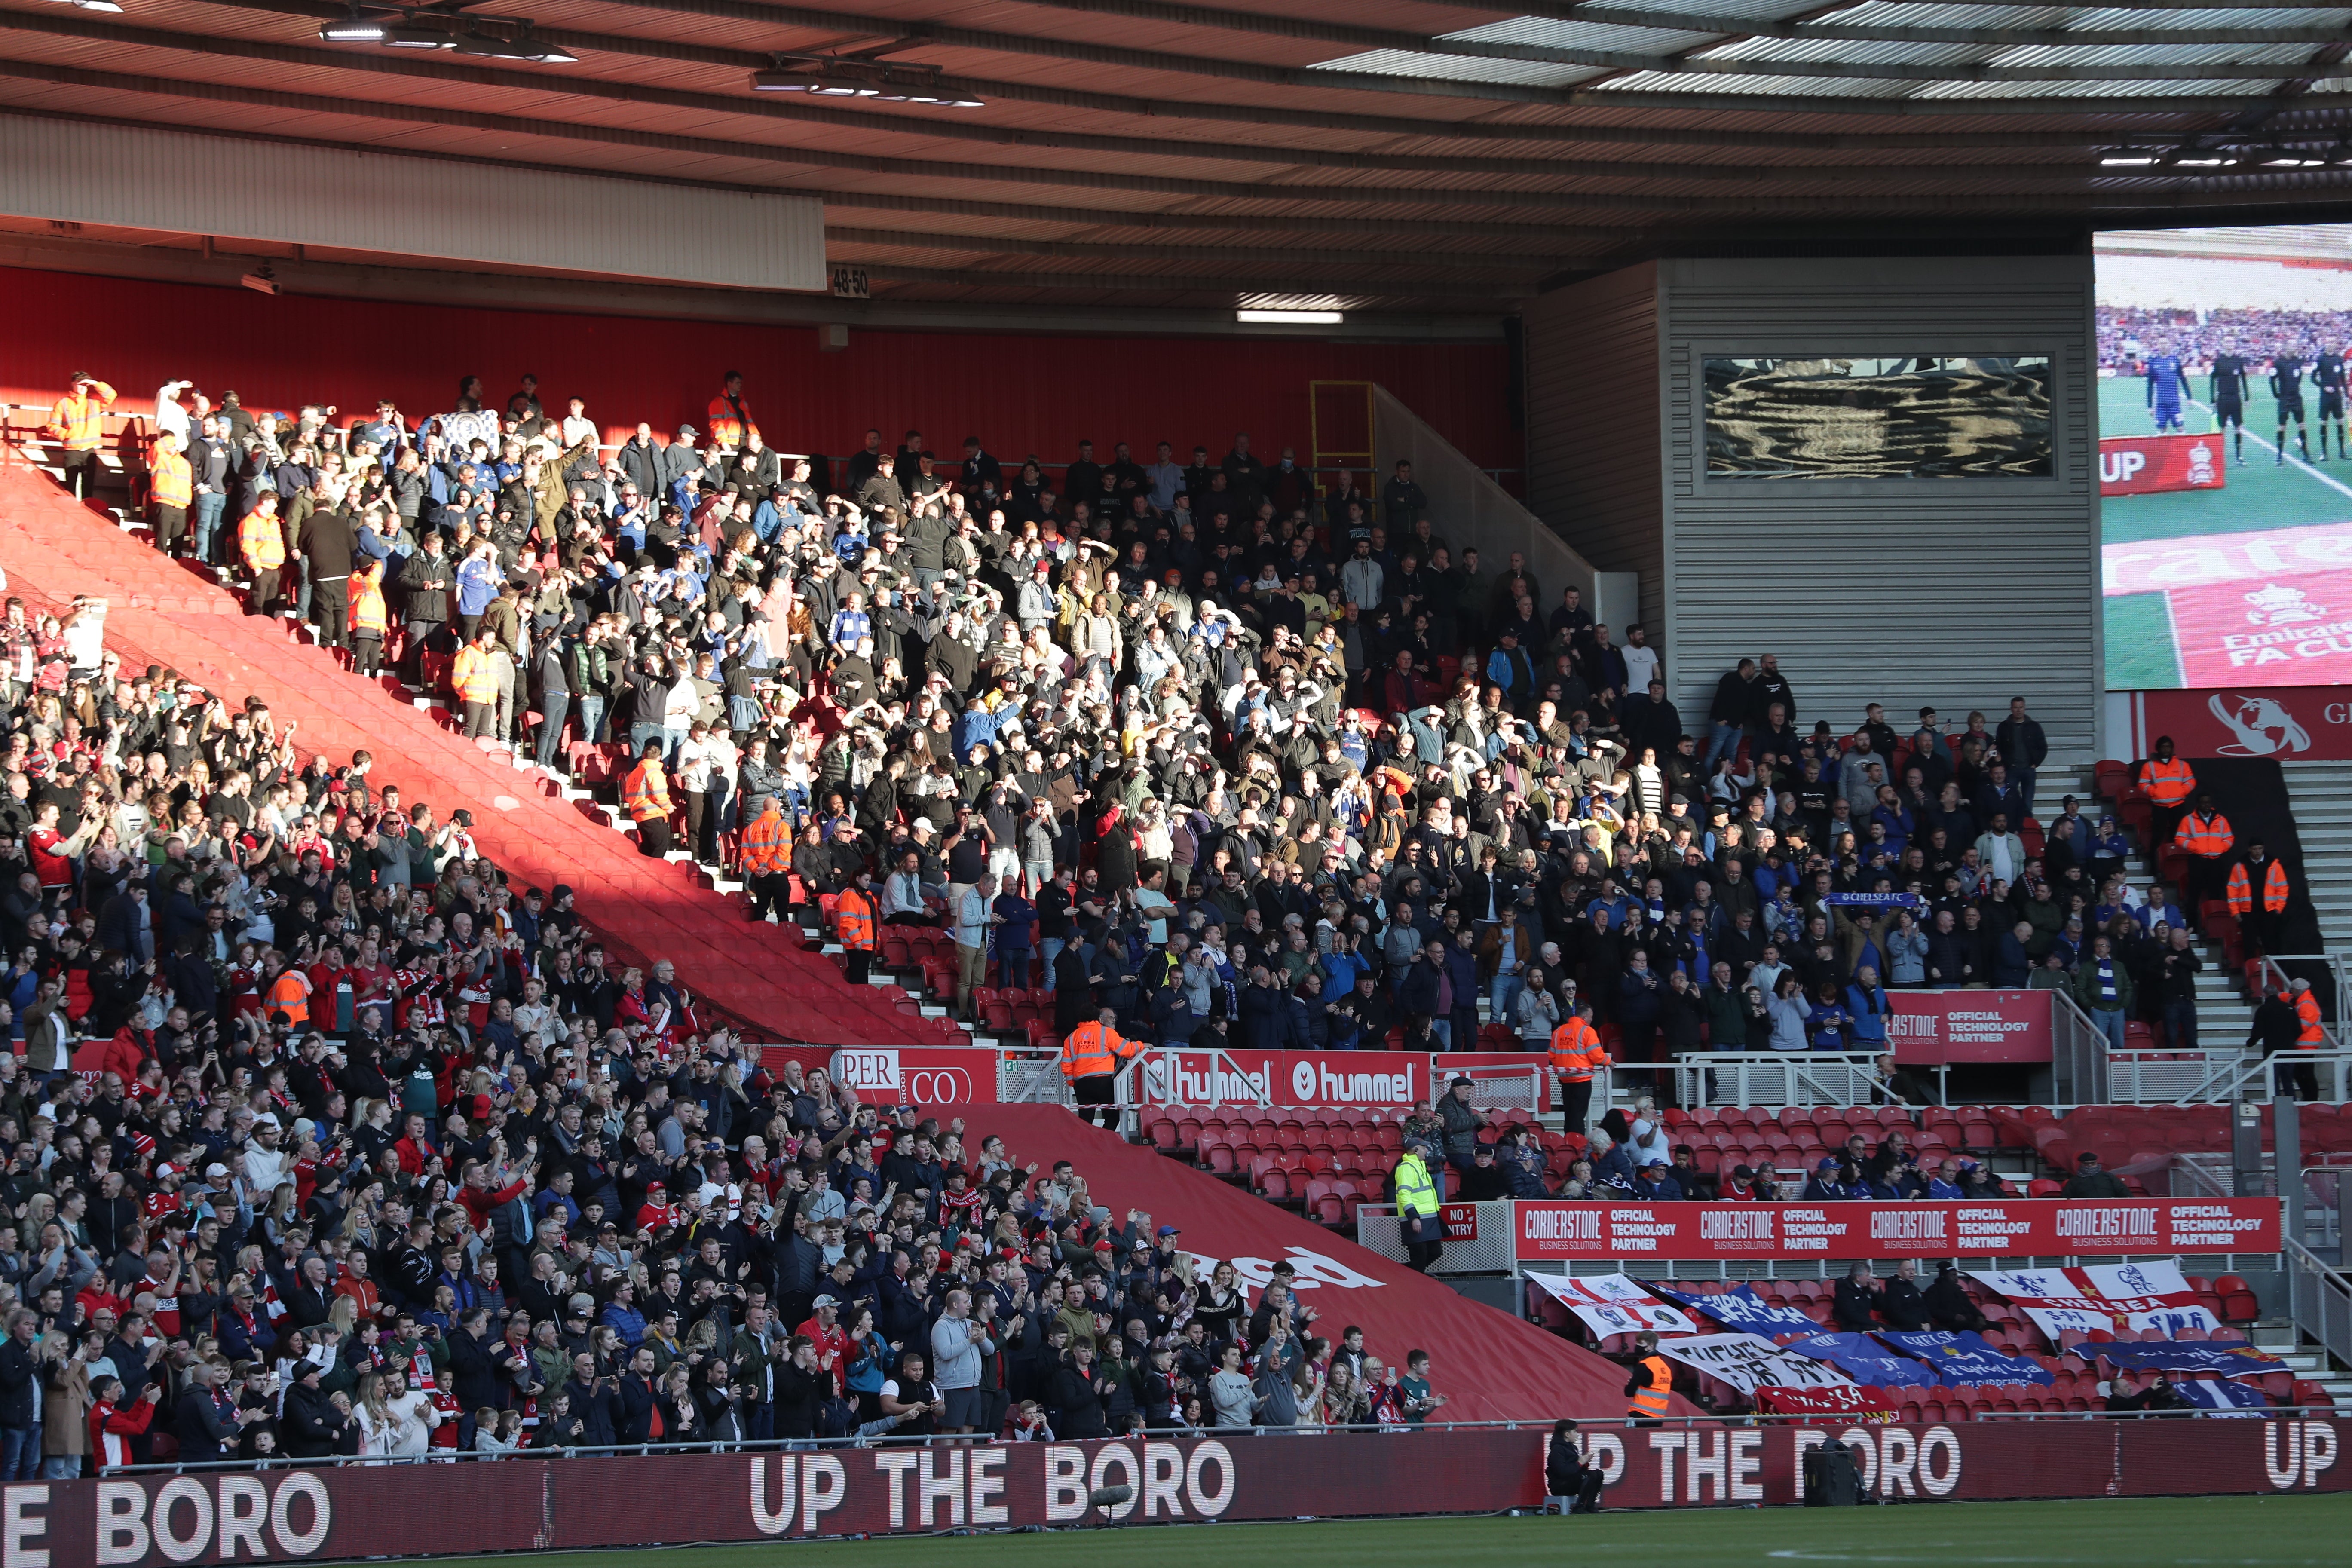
[146,1521]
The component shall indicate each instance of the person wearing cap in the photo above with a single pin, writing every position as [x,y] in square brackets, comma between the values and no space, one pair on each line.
[1654,1182]
[1832,1179]
[1420,1220]
[1461,1121]
[2092,1180]
[1486,1179]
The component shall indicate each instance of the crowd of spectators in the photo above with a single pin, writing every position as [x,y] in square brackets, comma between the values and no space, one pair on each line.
[372,1168]
[1224,752]
[2128,335]
[368,1156]
[1632,1156]
[1241,754]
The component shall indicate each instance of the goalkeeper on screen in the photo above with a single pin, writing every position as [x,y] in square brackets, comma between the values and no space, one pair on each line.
[2167,384]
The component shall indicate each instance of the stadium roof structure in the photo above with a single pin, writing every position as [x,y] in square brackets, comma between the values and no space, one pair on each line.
[1429,156]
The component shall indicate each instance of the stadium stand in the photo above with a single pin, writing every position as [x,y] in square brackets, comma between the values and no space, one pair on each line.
[1256,761]
[2125,335]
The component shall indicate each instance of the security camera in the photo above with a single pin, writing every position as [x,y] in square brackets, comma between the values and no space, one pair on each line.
[260,282]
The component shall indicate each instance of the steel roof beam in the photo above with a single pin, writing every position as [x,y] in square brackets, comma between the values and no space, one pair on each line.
[1698,20]
[1356,37]
[1308,77]
[2142,185]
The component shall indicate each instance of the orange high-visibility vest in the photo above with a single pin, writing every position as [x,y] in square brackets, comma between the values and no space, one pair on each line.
[645,793]
[1653,1401]
[286,995]
[2207,836]
[1576,1050]
[367,600]
[2168,783]
[261,539]
[2306,1012]
[1093,1050]
[2241,888]
[475,677]
[79,419]
[767,843]
[726,430]
[853,920]
[170,480]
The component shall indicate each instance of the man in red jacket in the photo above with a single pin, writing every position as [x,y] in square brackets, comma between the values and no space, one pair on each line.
[111,1427]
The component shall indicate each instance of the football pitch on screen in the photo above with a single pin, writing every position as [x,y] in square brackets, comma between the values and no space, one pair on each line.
[2263,494]
[2291,1531]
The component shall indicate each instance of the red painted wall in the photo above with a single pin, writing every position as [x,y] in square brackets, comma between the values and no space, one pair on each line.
[1019,394]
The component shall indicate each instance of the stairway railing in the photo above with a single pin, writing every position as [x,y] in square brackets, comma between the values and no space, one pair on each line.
[2319,1300]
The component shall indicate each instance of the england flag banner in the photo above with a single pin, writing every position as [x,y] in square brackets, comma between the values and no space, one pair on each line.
[1749,1364]
[1615,1304]
[1743,1310]
[2105,1298]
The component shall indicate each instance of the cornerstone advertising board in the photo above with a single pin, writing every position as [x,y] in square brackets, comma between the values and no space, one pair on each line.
[1552,1229]
[579,1504]
[1930,1029]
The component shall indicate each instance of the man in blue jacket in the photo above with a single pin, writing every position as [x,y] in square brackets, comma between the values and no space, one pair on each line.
[1866,1003]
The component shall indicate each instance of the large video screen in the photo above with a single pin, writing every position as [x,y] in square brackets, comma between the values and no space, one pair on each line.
[2224,470]
[1831,418]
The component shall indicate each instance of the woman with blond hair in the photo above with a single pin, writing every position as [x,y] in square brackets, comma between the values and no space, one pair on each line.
[395,1420]
[381,1432]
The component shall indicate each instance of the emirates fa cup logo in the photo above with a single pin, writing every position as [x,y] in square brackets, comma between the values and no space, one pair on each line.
[2273,606]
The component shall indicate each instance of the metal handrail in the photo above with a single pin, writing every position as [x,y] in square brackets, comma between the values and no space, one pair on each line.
[2228,1080]
[2318,1299]
[1220,1064]
[2078,1053]
[2275,976]
[1808,1074]
[946,1439]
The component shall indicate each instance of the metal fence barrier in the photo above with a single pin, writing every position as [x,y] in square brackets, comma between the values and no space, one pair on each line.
[1485,1250]
[2320,1301]
[1539,1426]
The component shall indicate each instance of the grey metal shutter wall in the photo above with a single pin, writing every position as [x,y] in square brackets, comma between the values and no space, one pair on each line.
[1956,592]
[1592,425]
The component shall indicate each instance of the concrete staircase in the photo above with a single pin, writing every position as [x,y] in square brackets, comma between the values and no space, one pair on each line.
[2279,1337]
[2321,793]
[2225,1016]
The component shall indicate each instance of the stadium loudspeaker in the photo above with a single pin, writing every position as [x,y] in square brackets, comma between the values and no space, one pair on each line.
[1830,1479]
